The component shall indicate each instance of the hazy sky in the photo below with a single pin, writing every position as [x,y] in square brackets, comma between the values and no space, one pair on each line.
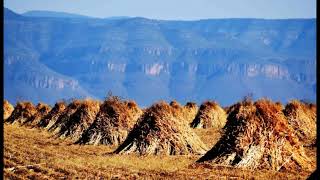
[174,9]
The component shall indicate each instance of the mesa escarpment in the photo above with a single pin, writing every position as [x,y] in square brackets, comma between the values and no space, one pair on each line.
[166,59]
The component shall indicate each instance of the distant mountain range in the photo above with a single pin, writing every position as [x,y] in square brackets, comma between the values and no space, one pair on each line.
[46,59]
[54,14]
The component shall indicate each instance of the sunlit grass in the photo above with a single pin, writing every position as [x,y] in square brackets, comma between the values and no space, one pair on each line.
[50,158]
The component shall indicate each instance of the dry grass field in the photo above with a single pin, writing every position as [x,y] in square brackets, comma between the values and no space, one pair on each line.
[35,154]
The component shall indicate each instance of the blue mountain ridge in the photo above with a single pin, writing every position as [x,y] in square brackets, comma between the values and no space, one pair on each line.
[46,59]
[52,14]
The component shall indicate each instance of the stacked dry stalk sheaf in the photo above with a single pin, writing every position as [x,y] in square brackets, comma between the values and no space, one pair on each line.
[190,111]
[7,109]
[162,130]
[21,113]
[41,111]
[257,135]
[113,122]
[65,116]
[78,122]
[302,117]
[210,115]
[48,120]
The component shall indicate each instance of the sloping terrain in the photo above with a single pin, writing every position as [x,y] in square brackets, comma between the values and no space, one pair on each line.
[149,60]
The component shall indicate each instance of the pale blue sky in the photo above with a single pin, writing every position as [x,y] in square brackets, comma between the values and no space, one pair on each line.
[174,9]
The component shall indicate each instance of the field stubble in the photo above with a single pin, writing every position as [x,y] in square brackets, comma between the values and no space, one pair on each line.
[35,154]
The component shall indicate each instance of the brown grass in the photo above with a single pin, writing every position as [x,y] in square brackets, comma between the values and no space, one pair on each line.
[7,109]
[210,115]
[257,136]
[162,130]
[302,117]
[26,156]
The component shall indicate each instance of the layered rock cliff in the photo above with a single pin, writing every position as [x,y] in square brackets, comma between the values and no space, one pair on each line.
[147,60]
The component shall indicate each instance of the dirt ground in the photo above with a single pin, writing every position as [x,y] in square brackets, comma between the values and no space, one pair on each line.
[35,154]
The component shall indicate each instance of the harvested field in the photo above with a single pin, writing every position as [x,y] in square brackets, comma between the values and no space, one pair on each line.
[112,124]
[302,117]
[257,142]
[162,130]
[258,136]
[26,156]
[209,136]
[7,109]
[210,115]
[21,113]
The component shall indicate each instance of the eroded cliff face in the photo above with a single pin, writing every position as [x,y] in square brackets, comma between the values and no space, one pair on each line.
[273,71]
[148,60]
[49,82]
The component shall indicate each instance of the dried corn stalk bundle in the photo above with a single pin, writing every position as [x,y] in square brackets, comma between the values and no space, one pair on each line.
[210,115]
[161,130]
[7,109]
[257,135]
[42,111]
[21,113]
[80,120]
[48,120]
[302,117]
[113,122]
